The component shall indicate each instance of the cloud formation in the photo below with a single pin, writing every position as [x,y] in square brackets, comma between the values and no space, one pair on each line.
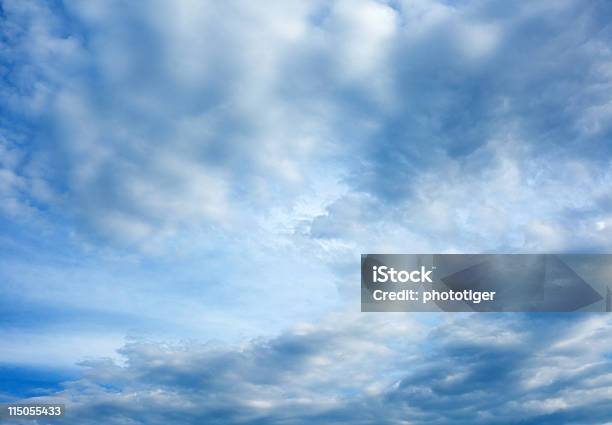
[158,158]
[368,369]
[164,118]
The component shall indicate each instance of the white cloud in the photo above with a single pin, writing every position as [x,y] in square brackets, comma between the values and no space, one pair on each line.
[378,368]
[477,40]
[250,150]
[503,196]
[162,120]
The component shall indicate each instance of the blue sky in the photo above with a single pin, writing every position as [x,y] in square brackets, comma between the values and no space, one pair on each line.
[186,188]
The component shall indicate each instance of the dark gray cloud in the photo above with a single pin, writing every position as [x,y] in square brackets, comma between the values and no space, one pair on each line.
[390,369]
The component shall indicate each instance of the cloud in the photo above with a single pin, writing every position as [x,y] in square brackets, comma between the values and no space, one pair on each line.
[498,369]
[213,169]
[151,122]
[536,362]
[503,197]
[165,120]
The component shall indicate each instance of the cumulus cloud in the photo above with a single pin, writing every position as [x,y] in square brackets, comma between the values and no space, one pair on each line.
[241,138]
[158,119]
[368,369]
[163,116]
[502,197]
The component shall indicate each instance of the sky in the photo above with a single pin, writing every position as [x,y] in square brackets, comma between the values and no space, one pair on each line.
[186,188]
